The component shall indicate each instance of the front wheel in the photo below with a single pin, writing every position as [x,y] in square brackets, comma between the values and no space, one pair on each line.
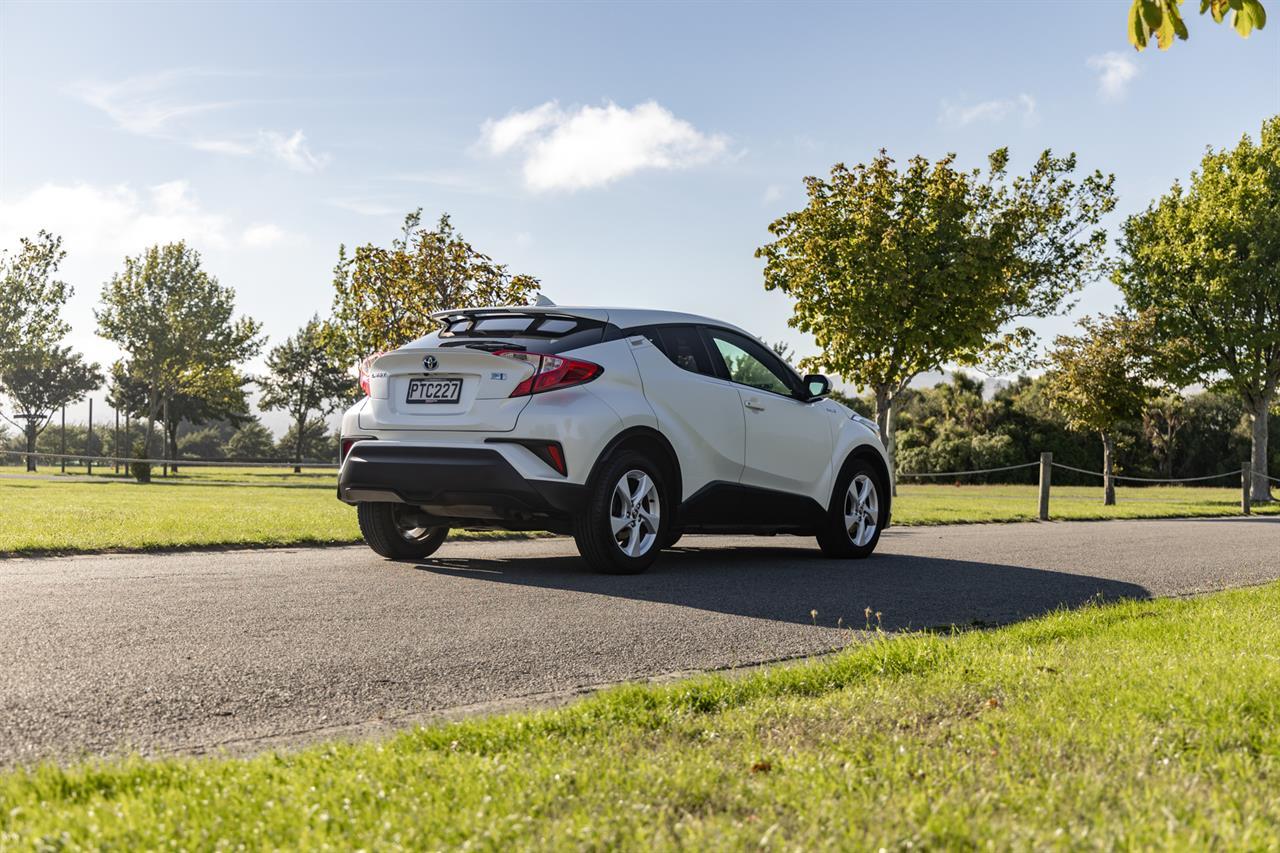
[398,531]
[858,513]
[624,525]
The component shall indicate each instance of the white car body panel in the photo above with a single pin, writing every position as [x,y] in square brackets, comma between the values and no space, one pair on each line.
[720,432]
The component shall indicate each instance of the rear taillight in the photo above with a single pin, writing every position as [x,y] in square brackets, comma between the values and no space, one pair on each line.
[365,368]
[551,372]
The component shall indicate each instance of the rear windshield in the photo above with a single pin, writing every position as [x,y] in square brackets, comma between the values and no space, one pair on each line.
[543,333]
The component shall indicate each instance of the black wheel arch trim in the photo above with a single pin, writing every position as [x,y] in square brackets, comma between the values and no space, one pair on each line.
[870,454]
[646,433]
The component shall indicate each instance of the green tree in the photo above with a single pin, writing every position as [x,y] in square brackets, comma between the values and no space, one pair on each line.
[39,380]
[1205,261]
[898,272]
[383,296]
[303,379]
[175,324]
[31,298]
[36,374]
[251,441]
[313,441]
[1162,20]
[1162,420]
[1097,380]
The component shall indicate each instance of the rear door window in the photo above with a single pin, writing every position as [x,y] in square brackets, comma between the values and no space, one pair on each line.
[683,347]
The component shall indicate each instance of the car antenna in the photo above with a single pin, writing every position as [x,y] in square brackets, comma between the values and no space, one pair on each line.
[544,301]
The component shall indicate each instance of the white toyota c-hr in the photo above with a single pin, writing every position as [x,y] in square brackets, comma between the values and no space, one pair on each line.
[622,427]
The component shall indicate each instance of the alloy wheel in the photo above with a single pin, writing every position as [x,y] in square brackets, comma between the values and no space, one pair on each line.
[635,513]
[861,510]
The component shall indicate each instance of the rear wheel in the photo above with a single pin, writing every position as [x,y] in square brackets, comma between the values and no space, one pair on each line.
[624,526]
[858,513]
[398,531]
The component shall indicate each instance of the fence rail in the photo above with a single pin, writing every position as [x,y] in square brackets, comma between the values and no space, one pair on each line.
[129,460]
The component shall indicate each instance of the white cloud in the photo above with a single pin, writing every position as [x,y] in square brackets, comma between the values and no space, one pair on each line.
[261,236]
[959,115]
[1115,70]
[169,106]
[594,146]
[293,151]
[772,193]
[524,239]
[116,220]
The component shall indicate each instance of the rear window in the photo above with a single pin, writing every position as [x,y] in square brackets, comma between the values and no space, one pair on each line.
[542,333]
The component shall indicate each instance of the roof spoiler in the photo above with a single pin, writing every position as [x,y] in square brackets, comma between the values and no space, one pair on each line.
[585,313]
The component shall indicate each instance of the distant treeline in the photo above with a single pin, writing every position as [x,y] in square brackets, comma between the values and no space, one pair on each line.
[954,426]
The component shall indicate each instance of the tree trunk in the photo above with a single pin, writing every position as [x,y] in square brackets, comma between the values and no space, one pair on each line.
[31,444]
[1260,490]
[164,439]
[172,452]
[1108,470]
[145,470]
[885,426]
[297,445]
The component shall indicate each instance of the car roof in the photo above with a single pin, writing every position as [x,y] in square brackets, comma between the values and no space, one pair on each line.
[622,317]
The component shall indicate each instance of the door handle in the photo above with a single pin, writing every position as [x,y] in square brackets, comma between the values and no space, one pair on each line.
[753,406]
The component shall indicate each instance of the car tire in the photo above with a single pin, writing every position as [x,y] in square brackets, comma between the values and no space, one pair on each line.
[398,531]
[626,519]
[859,501]
[673,538]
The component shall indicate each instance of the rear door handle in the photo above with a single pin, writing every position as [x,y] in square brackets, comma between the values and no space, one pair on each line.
[753,406]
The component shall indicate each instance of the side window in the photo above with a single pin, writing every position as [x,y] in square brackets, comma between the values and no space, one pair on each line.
[683,346]
[748,364]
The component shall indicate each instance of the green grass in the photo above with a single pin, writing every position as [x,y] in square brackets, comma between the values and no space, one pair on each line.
[247,507]
[937,504]
[1134,725]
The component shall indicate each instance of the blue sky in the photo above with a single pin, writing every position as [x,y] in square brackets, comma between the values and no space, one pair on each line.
[624,154]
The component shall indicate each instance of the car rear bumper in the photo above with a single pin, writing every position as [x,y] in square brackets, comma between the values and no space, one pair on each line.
[458,484]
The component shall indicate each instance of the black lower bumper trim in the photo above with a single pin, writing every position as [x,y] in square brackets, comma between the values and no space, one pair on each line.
[469,483]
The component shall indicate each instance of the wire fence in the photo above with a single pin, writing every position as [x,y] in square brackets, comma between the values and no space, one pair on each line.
[1045,466]
[84,459]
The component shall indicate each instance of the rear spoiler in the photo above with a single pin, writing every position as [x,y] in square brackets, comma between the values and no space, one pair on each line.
[598,314]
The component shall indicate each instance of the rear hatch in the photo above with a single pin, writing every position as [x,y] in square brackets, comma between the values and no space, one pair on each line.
[452,380]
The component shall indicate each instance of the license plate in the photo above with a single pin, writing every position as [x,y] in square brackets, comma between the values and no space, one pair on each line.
[434,391]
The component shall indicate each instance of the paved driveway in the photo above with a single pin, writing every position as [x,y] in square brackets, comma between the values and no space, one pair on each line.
[247,649]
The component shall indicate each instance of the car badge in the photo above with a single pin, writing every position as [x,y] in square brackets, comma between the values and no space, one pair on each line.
[430,363]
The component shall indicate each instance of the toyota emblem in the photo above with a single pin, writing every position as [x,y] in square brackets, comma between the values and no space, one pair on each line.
[430,363]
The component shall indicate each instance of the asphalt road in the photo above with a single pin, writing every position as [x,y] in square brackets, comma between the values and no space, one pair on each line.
[243,650]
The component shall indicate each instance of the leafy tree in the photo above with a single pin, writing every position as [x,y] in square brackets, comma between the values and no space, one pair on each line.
[1205,262]
[36,374]
[899,272]
[203,443]
[1097,381]
[223,398]
[39,380]
[383,296]
[31,299]
[174,322]
[303,379]
[251,441]
[1162,20]
[315,442]
[1162,419]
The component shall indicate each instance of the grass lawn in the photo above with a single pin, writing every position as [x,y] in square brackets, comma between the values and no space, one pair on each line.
[251,507]
[1139,724]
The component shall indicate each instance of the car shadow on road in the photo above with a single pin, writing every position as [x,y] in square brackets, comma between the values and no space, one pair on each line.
[786,584]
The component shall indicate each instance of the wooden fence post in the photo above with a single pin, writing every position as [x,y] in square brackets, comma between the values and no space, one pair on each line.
[1046,472]
[1244,485]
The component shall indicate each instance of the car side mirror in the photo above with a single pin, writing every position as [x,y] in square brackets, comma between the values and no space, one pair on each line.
[817,386]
